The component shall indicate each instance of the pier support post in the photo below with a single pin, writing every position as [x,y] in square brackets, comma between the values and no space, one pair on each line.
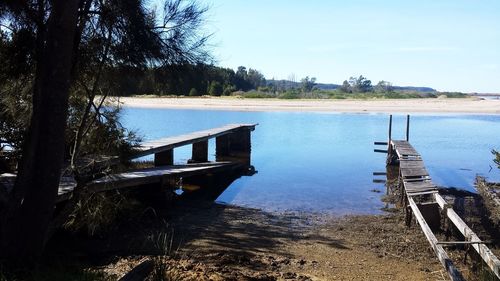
[222,146]
[240,142]
[236,146]
[407,127]
[164,158]
[200,152]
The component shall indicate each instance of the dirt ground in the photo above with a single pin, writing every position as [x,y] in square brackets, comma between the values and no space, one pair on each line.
[210,241]
[219,242]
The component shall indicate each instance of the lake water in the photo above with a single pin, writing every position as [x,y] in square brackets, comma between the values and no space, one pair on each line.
[319,162]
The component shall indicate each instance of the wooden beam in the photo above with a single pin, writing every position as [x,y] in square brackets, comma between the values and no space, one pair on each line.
[380,150]
[486,254]
[443,257]
[380,143]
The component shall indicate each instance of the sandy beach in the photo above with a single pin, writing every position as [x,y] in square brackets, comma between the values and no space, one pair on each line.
[435,105]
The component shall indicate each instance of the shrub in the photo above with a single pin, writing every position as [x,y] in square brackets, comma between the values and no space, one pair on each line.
[193,92]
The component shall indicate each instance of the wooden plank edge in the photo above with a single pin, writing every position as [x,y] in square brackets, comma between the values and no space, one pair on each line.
[443,257]
[486,254]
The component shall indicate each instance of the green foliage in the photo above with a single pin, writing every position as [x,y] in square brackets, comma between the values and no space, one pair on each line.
[383,87]
[290,94]
[453,94]
[215,88]
[104,136]
[97,213]
[256,95]
[228,89]
[307,84]
[193,92]
[357,85]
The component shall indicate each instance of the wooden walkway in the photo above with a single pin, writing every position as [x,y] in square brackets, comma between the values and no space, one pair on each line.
[226,136]
[422,199]
[233,139]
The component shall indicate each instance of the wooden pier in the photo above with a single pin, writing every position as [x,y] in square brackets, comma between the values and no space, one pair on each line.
[421,199]
[233,149]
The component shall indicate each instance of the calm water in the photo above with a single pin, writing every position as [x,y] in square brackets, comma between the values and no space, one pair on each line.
[324,162]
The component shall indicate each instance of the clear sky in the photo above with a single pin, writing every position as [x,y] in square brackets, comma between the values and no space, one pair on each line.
[450,45]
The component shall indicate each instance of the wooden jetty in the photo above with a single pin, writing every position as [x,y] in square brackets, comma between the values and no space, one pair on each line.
[233,148]
[422,199]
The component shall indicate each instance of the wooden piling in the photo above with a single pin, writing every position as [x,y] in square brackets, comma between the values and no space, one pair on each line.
[200,152]
[390,128]
[222,146]
[240,141]
[408,127]
[164,158]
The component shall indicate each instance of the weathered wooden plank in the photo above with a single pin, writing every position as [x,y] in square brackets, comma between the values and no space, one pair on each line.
[425,184]
[443,257]
[404,164]
[153,175]
[414,172]
[486,254]
[421,193]
[168,143]
[134,178]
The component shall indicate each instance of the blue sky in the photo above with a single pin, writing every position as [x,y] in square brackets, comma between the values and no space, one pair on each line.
[451,45]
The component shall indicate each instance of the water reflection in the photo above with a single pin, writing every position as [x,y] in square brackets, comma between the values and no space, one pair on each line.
[210,186]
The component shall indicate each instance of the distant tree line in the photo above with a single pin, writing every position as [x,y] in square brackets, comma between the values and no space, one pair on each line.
[184,79]
[363,85]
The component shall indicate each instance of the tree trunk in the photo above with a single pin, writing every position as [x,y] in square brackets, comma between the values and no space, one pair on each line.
[29,213]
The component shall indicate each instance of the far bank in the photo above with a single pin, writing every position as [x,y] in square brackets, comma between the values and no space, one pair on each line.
[425,105]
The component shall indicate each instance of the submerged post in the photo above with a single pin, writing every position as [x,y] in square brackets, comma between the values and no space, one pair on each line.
[408,127]
[390,157]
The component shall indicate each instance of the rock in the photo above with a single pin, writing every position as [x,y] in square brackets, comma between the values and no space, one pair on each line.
[289,275]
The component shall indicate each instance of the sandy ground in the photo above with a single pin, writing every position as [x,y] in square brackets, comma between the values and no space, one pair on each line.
[436,105]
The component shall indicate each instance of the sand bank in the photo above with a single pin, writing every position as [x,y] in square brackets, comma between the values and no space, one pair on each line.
[460,106]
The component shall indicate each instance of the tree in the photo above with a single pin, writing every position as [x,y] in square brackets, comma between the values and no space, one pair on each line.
[29,212]
[71,44]
[346,87]
[193,92]
[307,84]
[255,78]
[215,88]
[360,84]
[383,87]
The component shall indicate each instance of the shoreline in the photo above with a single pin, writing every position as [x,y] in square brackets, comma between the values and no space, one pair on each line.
[464,106]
